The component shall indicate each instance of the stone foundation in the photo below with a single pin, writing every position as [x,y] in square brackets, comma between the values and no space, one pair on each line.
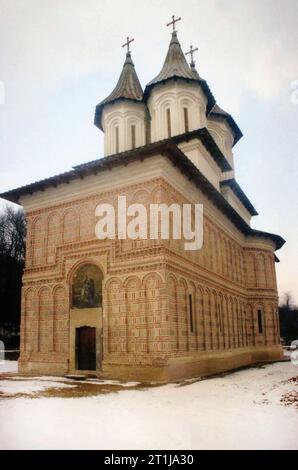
[202,365]
[176,368]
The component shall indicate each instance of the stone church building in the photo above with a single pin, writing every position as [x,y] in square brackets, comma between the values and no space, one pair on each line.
[149,309]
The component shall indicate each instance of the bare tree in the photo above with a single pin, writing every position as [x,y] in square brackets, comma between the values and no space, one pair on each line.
[288,317]
[12,260]
[13,233]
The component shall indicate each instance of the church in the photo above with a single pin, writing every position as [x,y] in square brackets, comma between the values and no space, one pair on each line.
[148,309]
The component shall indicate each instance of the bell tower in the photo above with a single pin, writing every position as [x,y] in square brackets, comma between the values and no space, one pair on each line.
[122,115]
[176,97]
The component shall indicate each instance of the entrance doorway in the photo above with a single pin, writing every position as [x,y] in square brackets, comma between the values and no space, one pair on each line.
[86,348]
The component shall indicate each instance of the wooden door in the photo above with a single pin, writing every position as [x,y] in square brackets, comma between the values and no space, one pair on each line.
[86,348]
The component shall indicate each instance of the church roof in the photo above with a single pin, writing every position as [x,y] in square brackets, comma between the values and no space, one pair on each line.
[128,88]
[195,72]
[218,112]
[169,149]
[176,66]
[232,183]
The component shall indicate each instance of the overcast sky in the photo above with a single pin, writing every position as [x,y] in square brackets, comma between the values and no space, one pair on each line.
[59,58]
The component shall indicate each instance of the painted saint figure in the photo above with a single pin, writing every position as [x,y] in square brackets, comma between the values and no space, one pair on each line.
[87,291]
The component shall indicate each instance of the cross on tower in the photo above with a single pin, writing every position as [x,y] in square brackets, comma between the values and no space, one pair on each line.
[173,22]
[191,52]
[128,41]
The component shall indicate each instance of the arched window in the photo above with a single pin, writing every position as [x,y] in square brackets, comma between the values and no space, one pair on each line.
[190,301]
[260,321]
[169,122]
[117,138]
[133,136]
[219,318]
[186,122]
[87,287]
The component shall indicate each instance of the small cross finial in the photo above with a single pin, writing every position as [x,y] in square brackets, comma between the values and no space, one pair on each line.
[191,52]
[127,44]
[173,22]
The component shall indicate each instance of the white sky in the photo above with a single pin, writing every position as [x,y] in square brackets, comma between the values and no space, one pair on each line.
[59,58]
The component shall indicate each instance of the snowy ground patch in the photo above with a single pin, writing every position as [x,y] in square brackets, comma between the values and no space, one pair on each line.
[241,410]
[28,387]
[8,367]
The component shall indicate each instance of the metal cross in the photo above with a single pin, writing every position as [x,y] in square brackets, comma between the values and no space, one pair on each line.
[191,52]
[173,22]
[128,41]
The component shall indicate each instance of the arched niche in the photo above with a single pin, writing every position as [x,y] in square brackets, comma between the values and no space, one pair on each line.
[86,287]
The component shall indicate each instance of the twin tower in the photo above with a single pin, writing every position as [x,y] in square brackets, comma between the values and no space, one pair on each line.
[175,102]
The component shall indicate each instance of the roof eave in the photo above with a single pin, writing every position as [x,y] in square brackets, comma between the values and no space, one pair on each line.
[209,143]
[238,191]
[202,134]
[232,123]
[277,239]
[202,83]
[14,195]
[100,107]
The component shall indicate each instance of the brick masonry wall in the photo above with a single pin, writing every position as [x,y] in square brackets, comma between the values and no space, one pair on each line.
[159,301]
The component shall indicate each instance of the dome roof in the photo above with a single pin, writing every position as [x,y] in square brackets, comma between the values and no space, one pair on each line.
[128,88]
[175,64]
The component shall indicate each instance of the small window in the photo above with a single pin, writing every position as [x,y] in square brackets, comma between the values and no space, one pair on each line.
[260,321]
[219,317]
[186,125]
[191,313]
[117,138]
[133,136]
[169,123]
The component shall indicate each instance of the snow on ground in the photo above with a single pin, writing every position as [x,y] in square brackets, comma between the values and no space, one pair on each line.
[32,385]
[241,410]
[8,366]
[8,387]
[112,382]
